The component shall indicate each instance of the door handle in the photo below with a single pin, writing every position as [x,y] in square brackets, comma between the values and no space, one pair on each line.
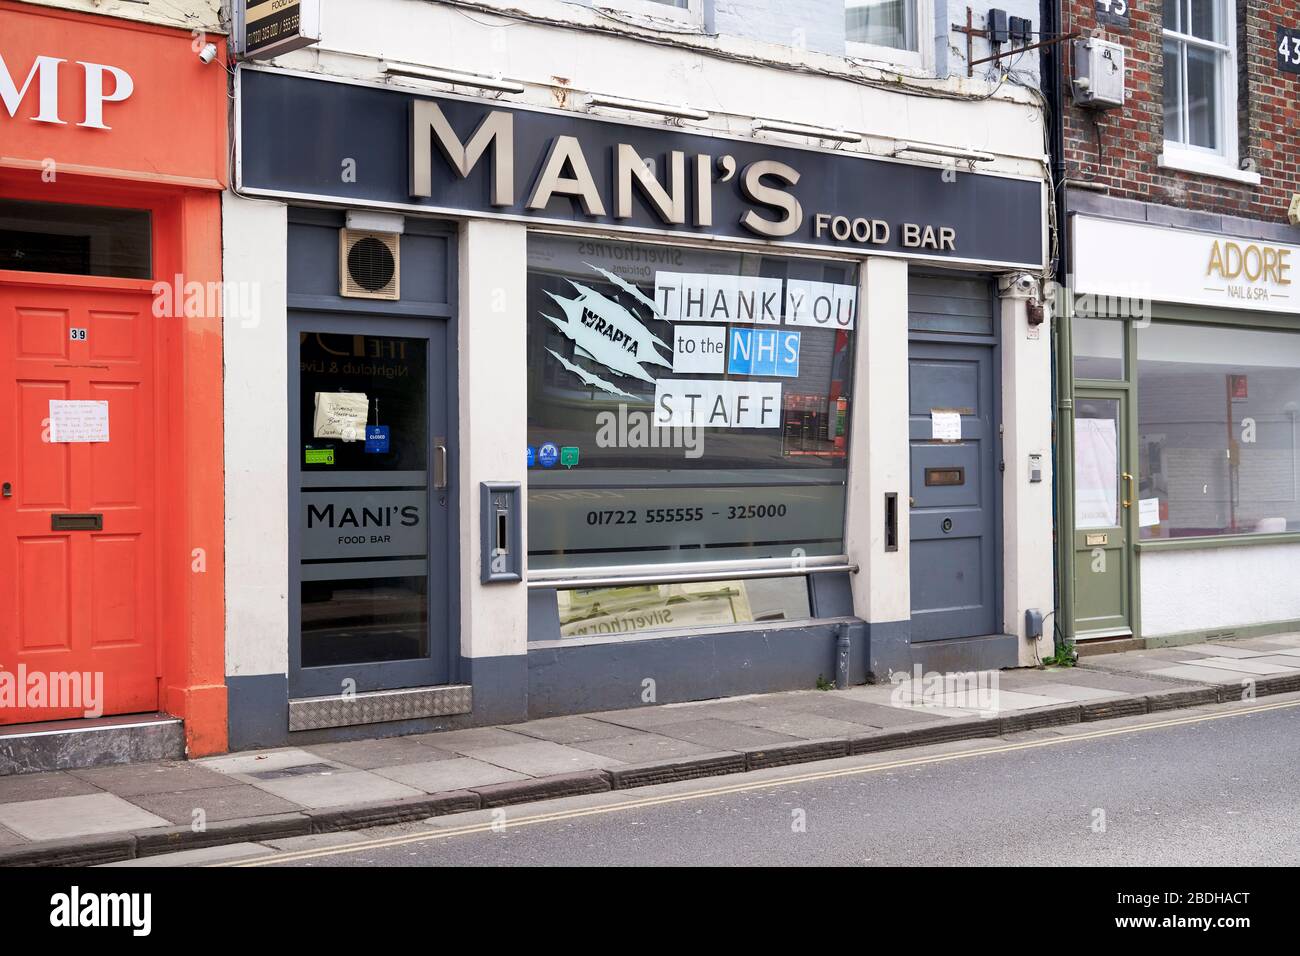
[439,467]
[1128,497]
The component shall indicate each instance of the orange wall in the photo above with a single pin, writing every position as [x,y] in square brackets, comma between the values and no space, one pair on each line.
[166,151]
[172,127]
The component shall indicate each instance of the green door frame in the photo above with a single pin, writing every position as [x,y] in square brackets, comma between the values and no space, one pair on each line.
[1067,388]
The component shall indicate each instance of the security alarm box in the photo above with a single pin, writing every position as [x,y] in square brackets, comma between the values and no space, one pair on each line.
[1098,73]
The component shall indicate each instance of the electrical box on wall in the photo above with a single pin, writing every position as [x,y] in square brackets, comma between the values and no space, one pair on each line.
[500,537]
[1098,73]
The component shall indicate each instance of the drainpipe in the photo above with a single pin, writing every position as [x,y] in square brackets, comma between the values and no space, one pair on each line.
[1051,71]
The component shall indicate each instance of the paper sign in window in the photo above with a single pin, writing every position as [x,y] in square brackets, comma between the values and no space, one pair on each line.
[1096,473]
[78,421]
[341,415]
[1148,512]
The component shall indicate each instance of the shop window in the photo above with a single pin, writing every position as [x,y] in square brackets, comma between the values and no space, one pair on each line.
[1217,431]
[1098,346]
[685,405]
[591,612]
[75,240]
[1200,99]
[889,30]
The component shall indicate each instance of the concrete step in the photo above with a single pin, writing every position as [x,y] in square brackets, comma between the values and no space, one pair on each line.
[91,742]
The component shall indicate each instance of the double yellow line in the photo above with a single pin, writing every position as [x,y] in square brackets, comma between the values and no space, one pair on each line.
[723,789]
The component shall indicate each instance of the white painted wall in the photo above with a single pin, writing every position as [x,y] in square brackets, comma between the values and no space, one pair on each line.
[878,445]
[493,368]
[1218,588]
[559,65]
[255,239]
[1026,506]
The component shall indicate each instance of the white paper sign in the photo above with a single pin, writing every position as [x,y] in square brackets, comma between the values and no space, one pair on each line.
[78,421]
[945,426]
[826,305]
[341,415]
[699,348]
[698,297]
[1096,473]
[1148,512]
[709,403]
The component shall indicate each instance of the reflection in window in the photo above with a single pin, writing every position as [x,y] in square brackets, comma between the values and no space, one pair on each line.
[75,240]
[1217,443]
[590,612]
[364,620]
[1098,346]
[885,23]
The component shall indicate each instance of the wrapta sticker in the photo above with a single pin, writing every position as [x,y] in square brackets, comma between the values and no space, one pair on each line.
[607,333]
[78,421]
[318,456]
[1148,512]
[945,426]
[341,415]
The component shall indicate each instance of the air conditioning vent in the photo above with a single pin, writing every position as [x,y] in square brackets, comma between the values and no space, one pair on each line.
[370,265]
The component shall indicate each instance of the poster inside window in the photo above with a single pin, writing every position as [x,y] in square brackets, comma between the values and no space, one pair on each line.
[685,404]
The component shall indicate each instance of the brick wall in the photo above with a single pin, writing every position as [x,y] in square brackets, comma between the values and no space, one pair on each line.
[1119,148]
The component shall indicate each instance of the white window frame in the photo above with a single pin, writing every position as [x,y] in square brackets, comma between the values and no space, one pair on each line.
[1202,159]
[692,15]
[921,59]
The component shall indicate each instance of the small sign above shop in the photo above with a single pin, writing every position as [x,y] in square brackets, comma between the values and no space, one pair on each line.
[268,28]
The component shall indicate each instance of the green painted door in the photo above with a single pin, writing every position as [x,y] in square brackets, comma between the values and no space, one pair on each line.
[1104,515]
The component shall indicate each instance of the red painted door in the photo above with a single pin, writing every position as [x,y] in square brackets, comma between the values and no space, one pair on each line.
[77,606]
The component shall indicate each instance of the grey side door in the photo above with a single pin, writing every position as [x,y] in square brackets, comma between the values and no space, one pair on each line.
[955,559]
[369,504]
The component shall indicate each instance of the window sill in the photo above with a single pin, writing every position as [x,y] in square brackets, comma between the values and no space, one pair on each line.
[1209,542]
[1219,169]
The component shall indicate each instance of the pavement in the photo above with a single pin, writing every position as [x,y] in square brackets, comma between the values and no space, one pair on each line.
[133,811]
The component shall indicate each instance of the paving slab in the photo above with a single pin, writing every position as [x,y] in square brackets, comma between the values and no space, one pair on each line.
[1071,692]
[459,773]
[1242,665]
[1221,650]
[1140,682]
[569,730]
[17,788]
[540,758]
[217,803]
[62,818]
[169,776]
[336,789]
[649,717]
[385,752]
[641,748]
[457,741]
[804,725]
[1285,661]
[723,735]
[259,761]
[9,838]
[1200,674]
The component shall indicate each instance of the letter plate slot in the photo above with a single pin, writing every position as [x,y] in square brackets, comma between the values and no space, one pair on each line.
[69,522]
[1093,540]
[501,538]
[937,477]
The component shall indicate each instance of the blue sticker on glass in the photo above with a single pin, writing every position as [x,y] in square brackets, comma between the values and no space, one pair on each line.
[763,352]
[376,439]
[532,456]
[548,454]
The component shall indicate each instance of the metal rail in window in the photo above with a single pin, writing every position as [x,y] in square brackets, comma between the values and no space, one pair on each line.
[685,573]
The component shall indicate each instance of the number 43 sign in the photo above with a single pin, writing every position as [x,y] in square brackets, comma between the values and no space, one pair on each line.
[1113,12]
[1288,49]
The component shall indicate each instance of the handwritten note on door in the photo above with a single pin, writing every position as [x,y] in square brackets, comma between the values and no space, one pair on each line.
[76,421]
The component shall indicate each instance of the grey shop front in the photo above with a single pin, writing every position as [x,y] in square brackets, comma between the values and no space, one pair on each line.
[693,348]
